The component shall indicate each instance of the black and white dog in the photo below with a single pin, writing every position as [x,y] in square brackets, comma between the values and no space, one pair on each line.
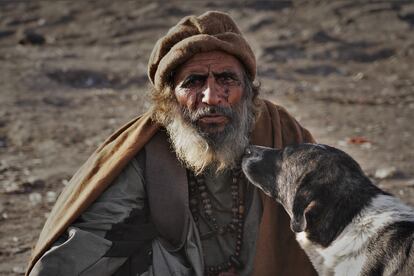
[345,224]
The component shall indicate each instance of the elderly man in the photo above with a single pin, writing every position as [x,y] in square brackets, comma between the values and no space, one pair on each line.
[164,195]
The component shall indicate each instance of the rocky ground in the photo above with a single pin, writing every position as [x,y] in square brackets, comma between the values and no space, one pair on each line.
[72,72]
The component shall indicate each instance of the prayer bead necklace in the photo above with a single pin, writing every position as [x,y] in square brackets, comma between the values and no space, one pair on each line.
[198,194]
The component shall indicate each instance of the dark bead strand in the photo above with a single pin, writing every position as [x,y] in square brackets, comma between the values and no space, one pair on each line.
[198,193]
[193,200]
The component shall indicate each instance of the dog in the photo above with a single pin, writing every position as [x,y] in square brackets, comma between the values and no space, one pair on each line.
[345,224]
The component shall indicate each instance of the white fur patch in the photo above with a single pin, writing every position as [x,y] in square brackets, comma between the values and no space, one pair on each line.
[302,238]
[351,266]
[346,255]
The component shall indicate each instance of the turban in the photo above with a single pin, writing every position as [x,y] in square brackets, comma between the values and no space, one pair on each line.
[211,31]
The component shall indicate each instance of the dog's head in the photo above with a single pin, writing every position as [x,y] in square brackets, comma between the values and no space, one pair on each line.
[321,187]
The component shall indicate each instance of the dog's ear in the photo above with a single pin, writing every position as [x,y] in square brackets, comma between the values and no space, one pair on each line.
[298,222]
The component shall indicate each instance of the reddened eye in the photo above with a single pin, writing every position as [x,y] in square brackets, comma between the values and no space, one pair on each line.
[227,79]
[193,81]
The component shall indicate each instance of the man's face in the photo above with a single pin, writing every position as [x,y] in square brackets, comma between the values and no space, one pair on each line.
[207,87]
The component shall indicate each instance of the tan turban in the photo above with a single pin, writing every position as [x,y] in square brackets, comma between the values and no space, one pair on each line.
[210,31]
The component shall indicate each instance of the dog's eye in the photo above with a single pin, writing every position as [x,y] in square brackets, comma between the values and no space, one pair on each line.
[287,152]
[321,146]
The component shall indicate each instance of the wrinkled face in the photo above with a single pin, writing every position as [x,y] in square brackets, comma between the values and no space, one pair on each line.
[211,113]
[207,87]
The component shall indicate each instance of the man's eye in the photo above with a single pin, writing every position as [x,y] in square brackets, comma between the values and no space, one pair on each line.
[193,81]
[227,79]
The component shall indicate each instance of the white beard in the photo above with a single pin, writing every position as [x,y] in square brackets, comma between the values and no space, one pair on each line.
[195,151]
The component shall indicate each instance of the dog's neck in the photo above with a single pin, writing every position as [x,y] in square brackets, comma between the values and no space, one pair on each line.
[346,254]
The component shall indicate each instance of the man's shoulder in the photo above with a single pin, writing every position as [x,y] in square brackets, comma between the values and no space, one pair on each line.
[283,124]
[275,109]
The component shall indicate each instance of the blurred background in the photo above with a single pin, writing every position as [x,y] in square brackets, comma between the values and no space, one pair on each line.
[72,72]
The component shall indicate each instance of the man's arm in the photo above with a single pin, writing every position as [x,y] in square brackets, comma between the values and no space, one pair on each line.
[102,239]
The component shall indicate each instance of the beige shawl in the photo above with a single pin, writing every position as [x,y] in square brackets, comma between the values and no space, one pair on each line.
[277,250]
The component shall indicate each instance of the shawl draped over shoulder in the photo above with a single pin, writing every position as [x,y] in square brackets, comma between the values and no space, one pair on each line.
[277,251]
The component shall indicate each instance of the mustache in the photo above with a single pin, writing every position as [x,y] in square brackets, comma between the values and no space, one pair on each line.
[194,116]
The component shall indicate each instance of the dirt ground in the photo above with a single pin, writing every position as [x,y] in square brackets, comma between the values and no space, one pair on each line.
[72,72]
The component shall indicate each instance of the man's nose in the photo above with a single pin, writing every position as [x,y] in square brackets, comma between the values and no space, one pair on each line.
[212,93]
